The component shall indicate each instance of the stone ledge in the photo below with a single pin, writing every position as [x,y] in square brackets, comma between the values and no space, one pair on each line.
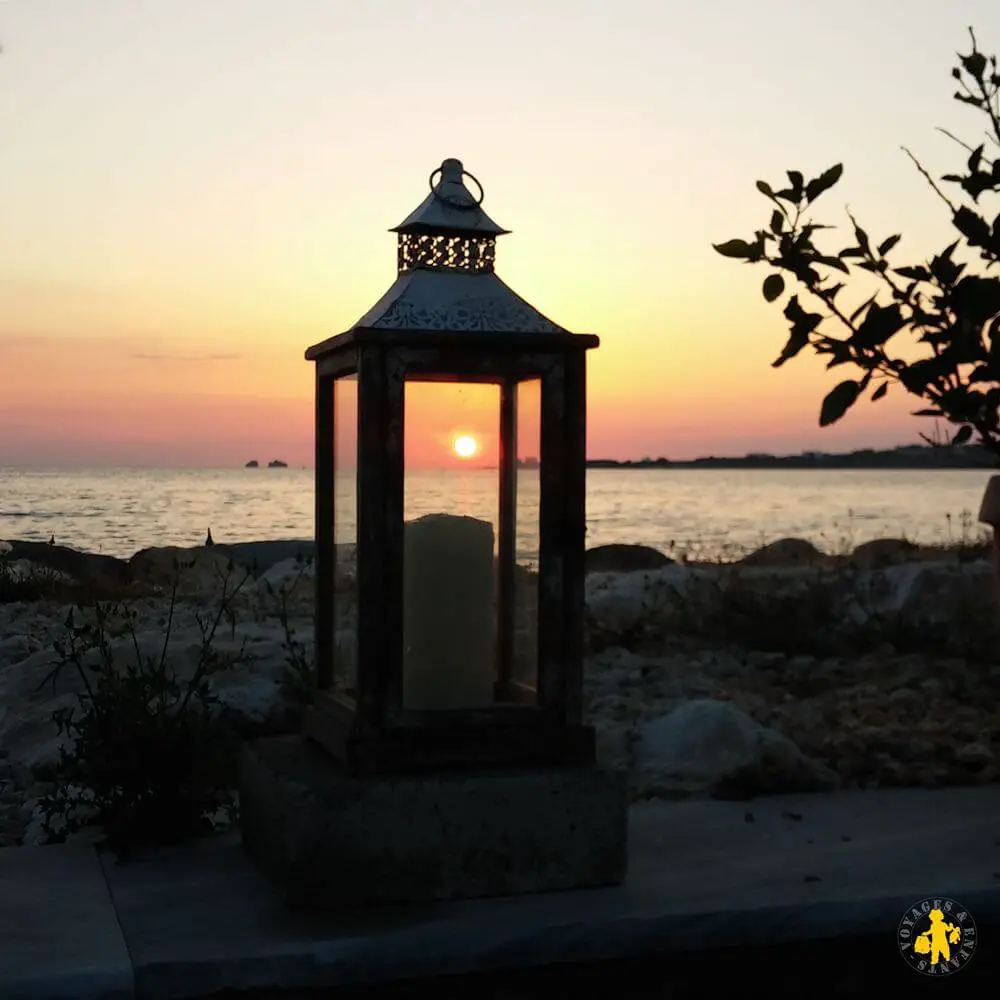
[330,841]
[59,931]
[201,920]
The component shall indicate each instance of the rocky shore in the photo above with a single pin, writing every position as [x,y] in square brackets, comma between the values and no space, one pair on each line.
[788,670]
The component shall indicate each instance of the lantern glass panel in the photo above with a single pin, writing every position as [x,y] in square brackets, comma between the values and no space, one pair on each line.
[345,535]
[526,527]
[451,509]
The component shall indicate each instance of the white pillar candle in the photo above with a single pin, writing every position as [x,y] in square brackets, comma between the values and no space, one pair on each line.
[448,625]
[989,510]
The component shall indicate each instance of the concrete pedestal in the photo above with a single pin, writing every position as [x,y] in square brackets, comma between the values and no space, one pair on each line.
[330,841]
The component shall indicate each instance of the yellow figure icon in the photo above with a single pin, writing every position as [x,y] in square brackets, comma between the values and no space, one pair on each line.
[936,940]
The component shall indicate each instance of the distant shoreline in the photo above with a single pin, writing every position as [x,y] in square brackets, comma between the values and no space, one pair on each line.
[905,457]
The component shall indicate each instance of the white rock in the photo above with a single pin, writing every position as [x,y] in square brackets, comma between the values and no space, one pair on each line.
[704,742]
[24,569]
[254,655]
[286,574]
[931,591]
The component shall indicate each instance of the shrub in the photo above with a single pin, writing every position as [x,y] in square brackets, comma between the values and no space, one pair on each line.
[148,756]
[952,313]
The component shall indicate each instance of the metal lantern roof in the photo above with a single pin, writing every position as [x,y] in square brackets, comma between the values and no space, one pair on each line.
[450,207]
[439,300]
[446,280]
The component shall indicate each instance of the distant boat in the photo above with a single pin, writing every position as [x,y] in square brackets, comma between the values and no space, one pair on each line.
[276,463]
[252,464]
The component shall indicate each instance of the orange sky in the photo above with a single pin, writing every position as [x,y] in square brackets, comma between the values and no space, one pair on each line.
[194,192]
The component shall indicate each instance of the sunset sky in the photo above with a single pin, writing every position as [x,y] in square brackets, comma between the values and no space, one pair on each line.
[194,191]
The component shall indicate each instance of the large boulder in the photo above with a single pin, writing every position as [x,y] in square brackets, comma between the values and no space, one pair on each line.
[624,559]
[261,556]
[786,552]
[957,595]
[881,552]
[85,567]
[711,746]
[198,572]
[713,599]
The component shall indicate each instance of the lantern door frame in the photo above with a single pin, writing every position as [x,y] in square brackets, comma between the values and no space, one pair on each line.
[377,733]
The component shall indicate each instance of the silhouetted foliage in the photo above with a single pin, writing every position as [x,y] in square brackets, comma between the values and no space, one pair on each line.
[940,302]
[148,756]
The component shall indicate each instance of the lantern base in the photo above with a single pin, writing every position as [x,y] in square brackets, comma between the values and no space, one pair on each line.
[331,841]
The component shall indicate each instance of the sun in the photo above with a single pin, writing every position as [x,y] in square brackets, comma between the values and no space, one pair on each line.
[465,446]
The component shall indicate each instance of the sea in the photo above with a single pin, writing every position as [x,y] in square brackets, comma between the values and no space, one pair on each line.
[704,513]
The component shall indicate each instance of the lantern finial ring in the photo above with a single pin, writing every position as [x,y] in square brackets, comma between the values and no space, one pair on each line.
[456,171]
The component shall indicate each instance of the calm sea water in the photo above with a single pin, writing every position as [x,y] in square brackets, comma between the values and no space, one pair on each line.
[711,511]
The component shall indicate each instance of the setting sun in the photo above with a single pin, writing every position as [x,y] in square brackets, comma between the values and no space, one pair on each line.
[465,446]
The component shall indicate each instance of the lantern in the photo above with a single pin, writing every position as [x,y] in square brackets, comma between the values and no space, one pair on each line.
[450,534]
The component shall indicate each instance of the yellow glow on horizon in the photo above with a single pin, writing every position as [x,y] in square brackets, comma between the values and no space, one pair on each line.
[218,214]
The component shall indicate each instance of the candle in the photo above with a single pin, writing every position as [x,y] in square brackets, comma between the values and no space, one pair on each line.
[448,623]
[989,510]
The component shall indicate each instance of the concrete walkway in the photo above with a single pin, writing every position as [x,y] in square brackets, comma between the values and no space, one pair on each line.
[703,875]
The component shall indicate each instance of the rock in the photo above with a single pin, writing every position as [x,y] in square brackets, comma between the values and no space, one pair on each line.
[929,592]
[199,572]
[620,602]
[761,660]
[975,754]
[786,552]
[249,683]
[82,566]
[24,570]
[259,557]
[712,746]
[906,698]
[20,774]
[883,552]
[624,559]
[292,577]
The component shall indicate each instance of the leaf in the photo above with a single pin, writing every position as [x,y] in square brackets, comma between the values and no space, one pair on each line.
[962,435]
[861,308]
[838,401]
[878,326]
[972,226]
[774,285]
[824,182]
[880,391]
[984,373]
[834,262]
[976,299]
[796,179]
[975,64]
[764,188]
[915,273]
[797,340]
[975,159]
[926,413]
[739,249]
[777,221]
[886,245]
[800,319]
